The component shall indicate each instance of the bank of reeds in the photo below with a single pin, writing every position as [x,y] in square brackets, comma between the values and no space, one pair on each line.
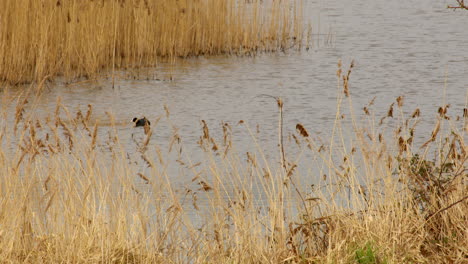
[69,195]
[74,38]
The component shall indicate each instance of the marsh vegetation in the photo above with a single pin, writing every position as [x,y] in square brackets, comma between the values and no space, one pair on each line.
[383,184]
[67,196]
[45,39]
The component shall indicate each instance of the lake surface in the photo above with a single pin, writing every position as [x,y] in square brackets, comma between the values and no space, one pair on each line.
[418,49]
[413,48]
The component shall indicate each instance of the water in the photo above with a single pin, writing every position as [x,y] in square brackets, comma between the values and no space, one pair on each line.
[417,49]
[412,48]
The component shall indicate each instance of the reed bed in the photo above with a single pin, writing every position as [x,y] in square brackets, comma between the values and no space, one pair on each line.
[71,38]
[69,195]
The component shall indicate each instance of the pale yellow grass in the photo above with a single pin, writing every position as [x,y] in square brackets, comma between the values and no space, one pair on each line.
[43,39]
[68,195]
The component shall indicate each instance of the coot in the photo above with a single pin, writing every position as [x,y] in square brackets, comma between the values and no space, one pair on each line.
[141,121]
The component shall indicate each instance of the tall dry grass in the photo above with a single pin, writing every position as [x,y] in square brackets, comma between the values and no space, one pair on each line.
[70,195]
[71,38]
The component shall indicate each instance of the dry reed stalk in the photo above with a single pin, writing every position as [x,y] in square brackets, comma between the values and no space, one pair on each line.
[435,131]
[279,102]
[94,136]
[175,138]
[143,177]
[67,132]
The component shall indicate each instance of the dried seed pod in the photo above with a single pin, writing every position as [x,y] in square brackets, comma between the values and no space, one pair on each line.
[366,110]
[390,110]
[302,130]
[400,101]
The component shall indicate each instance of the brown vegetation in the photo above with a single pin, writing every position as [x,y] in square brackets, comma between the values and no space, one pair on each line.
[43,39]
[67,195]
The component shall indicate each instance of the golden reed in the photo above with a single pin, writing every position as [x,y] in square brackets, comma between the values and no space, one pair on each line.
[75,38]
[74,191]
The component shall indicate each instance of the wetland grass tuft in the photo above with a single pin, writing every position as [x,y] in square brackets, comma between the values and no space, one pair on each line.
[44,39]
[69,192]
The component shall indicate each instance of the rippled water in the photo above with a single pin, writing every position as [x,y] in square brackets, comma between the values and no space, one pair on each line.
[418,49]
[413,48]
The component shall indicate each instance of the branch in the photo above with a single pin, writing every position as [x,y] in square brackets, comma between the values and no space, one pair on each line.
[461,5]
[446,208]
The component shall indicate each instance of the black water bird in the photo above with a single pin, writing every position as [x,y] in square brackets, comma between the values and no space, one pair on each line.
[141,122]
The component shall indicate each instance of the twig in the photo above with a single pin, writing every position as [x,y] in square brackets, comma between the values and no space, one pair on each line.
[461,5]
[279,101]
[280,131]
[446,208]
